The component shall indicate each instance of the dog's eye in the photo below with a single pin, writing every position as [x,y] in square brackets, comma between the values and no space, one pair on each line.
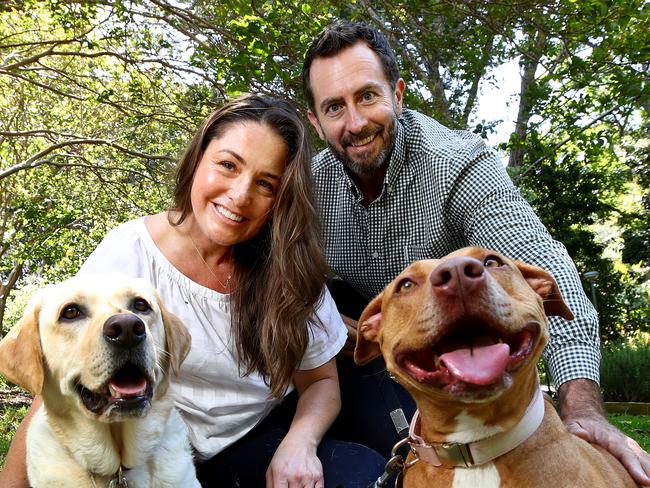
[141,305]
[70,312]
[492,262]
[405,285]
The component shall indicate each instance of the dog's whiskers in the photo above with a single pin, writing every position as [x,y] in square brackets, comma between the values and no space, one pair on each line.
[162,356]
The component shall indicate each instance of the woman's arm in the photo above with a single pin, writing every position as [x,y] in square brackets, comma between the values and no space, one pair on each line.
[14,473]
[295,462]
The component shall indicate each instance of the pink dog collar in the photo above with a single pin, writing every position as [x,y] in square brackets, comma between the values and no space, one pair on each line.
[452,454]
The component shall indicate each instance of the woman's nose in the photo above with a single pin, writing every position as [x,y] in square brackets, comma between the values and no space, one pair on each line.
[240,191]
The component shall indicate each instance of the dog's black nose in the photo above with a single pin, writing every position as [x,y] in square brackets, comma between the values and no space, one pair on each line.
[124,330]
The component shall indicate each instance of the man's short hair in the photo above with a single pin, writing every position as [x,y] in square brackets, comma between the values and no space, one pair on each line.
[340,35]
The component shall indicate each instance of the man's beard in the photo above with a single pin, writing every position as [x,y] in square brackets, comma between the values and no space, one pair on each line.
[368,166]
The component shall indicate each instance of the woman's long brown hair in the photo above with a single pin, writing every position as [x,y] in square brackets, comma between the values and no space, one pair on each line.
[280,271]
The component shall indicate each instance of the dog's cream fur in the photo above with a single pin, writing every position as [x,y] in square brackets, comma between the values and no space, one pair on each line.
[60,344]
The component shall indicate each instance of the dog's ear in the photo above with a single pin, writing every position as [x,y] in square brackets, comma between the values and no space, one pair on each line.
[546,287]
[367,347]
[21,357]
[177,337]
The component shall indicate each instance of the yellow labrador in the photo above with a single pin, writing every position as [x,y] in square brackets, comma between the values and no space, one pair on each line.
[99,349]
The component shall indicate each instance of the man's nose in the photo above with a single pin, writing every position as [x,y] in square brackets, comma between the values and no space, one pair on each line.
[356,121]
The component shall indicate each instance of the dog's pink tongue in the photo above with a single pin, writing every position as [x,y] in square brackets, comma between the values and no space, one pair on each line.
[480,365]
[129,388]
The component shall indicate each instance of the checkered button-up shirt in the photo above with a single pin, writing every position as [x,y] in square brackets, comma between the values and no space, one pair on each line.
[444,190]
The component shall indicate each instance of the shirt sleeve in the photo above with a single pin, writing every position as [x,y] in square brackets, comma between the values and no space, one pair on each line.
[119,251]
[487,206]
[326,336]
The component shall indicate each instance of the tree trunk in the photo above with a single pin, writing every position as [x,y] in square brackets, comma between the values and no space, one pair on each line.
[537,42]
[5,289]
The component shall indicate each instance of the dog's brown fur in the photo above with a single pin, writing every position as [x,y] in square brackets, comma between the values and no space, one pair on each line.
[432,298]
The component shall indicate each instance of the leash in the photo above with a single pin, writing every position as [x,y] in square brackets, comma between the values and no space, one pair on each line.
[395,466]
[351,303]
[386,387]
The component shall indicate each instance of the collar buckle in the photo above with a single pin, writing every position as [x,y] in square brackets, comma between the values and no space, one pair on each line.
[455,454]
[119,480]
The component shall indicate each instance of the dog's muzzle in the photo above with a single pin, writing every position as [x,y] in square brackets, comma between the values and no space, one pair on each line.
[129,390]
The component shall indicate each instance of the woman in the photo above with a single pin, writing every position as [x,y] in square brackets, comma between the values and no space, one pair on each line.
[238,259]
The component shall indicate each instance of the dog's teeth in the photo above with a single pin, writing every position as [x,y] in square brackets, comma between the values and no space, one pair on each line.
[114,393]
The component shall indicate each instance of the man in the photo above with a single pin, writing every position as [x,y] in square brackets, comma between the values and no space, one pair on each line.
[395,186]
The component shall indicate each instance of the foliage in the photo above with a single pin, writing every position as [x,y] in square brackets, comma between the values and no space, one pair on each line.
[75,94]
[576,127]
[97,98]
[10,418]
[624,372]
[636,236]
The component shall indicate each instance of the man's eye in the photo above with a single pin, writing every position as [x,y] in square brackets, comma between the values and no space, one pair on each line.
[332,109]
[70,312]
[141,305]
[405,285]
[368,96]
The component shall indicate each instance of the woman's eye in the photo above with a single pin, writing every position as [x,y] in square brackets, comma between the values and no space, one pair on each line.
[227,165]
[405,285]
[141,305]
[266,185]
[492,262]
[70,312]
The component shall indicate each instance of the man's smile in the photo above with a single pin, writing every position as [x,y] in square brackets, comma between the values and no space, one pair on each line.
[364,141]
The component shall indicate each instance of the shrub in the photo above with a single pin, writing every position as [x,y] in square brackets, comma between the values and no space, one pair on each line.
[624,372]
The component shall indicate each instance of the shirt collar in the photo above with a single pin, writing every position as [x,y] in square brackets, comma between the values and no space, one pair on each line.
[398,157]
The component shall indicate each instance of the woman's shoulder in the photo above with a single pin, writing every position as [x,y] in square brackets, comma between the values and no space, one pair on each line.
[157,225]
[149,234]
[122,249]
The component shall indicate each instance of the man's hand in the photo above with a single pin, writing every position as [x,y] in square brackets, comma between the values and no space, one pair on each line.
[348,348]
[582,413]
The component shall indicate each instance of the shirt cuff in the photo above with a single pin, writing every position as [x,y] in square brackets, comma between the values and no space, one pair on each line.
[573,362]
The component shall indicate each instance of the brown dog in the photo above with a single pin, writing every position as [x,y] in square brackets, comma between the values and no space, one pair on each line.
[100,350]
[463,335]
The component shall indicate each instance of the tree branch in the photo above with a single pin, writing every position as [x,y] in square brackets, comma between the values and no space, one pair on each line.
[37,159]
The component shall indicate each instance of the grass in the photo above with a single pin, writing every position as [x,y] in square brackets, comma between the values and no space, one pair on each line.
[10,418]
[635,426]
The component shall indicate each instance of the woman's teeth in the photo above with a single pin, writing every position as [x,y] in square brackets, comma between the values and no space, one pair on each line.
[227,213]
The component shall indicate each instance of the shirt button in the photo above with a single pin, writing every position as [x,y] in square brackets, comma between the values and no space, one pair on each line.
[375,255]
